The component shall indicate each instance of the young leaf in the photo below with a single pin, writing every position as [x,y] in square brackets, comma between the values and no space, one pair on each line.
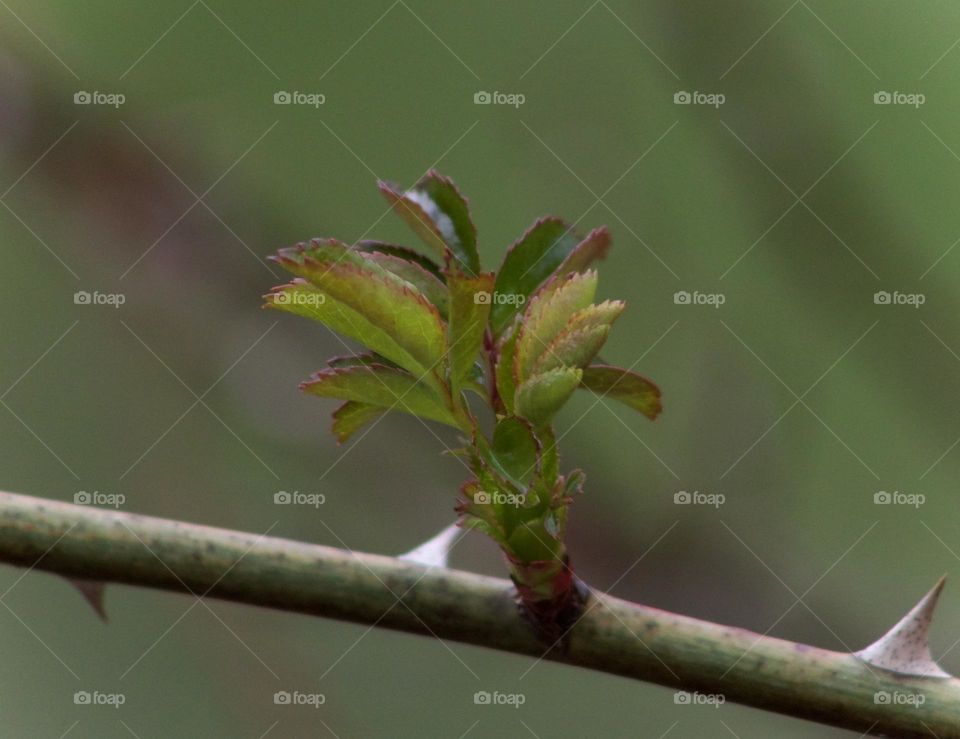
[547,315]
[516,449]
[601,314]
[505,370]
[540,397]
[532,543]
[386,301]
[426,282]
[303,299]
[475,380]
[572,349]
[438,213]
[384,387]
[450,203]
[530,261]
[364,359]
[623,385]
[592,249]
[353,416]
[469,309]
[479,515]
[403,252]
[582,337]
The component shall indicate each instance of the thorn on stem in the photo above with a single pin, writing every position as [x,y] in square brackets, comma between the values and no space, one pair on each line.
[905,648]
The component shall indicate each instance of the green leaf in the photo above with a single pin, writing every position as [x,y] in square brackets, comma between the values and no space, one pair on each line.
[416,217]
[573,483]
[475,380]
[385,301]
[516,449]
[403,252]
[531,543]
[530,261]
[547,315]
[303,299]
[351,417]
[549,456]
[385,387]
[480,516]
[505,370]
[364,359]
[539,398]
[427,283]
[439,214]
[623,385]
[601,314]
[582,337]
[592,249]
[450,203]
[469,310]
[572,349]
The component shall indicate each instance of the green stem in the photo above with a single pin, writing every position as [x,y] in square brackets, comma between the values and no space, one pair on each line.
[612,636]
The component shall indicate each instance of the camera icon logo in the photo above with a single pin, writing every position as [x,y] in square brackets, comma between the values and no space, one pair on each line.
[882,297]
[681,297]
[82,498]
[882,698]
[82,97]
[282,98]
[82,698]
[682,497]
[482,698]
[82,297]
[282,498]
[482,498]
[681,698]
[682,98]
[482,298]
[882,498]
[882,98]
[482,98]
[282,698]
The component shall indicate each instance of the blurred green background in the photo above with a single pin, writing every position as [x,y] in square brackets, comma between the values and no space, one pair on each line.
[798,400]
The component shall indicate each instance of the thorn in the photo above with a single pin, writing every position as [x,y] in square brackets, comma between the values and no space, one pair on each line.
[905,649]
[93,592]
[435,552]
